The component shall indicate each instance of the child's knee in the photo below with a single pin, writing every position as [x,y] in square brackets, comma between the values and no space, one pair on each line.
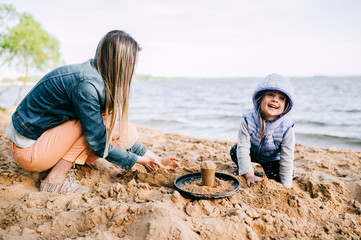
[233,153]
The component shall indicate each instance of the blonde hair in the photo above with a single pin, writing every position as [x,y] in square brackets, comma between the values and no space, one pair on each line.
[115,58]
[260,114]
[261,119]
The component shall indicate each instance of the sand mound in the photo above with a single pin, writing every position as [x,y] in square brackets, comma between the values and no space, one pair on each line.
[323,204]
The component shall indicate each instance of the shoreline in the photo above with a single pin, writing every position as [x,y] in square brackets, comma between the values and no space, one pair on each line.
[209,121]
[324,203]
[311,140]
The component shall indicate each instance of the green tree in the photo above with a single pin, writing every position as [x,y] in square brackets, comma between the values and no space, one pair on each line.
[8,16]
[28,46]
[25,45]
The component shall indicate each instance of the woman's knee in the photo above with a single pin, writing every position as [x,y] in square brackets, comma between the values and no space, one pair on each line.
[126,138]
[132,135]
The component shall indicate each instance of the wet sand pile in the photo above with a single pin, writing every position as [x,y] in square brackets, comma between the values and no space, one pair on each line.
[324,203]
[197,186]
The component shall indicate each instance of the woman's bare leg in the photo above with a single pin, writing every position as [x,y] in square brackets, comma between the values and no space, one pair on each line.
[56,181]
[59,171]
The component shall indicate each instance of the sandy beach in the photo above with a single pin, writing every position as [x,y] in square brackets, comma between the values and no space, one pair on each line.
[324,203]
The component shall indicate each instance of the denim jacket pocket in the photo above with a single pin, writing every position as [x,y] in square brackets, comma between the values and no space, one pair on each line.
[55,122]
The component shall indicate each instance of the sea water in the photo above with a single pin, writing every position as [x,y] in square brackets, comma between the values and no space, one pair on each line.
[327,110]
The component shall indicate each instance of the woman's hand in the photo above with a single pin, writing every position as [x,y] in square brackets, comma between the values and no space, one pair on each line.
[170,162]
[150,163]
[252,179]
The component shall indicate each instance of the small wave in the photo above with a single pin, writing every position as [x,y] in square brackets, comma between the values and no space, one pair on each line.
[325,124]
[161,121]
[232,118]
[314,123]
[348,110]
[321,136]
[325,140]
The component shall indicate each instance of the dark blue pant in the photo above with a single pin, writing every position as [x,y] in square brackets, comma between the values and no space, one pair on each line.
[271,169]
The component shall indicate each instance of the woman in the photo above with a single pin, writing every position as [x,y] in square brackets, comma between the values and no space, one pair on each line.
[78,113]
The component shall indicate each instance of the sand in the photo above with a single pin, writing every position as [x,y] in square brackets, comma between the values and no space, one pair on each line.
[220,186]
[324,203]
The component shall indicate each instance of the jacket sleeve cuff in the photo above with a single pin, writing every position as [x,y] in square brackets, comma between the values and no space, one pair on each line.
[123,159]
[138,149]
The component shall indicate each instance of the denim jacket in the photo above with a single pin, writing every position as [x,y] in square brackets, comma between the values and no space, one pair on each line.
[71,92]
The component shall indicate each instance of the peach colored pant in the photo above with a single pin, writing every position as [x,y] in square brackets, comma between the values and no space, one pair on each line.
[65,141]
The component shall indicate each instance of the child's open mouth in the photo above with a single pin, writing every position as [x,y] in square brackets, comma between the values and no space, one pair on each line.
[272,106]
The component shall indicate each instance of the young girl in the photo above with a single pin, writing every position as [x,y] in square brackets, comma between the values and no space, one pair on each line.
[78,113]
[266,135]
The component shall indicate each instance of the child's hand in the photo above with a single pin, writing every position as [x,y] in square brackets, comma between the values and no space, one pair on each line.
[252,179]
[170,162]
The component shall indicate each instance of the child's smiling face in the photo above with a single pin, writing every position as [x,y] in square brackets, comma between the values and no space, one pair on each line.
[272,104]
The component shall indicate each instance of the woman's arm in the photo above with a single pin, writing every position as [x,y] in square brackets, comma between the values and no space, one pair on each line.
[86,100]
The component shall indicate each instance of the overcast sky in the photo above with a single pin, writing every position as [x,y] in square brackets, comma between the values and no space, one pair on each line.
[213,38]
